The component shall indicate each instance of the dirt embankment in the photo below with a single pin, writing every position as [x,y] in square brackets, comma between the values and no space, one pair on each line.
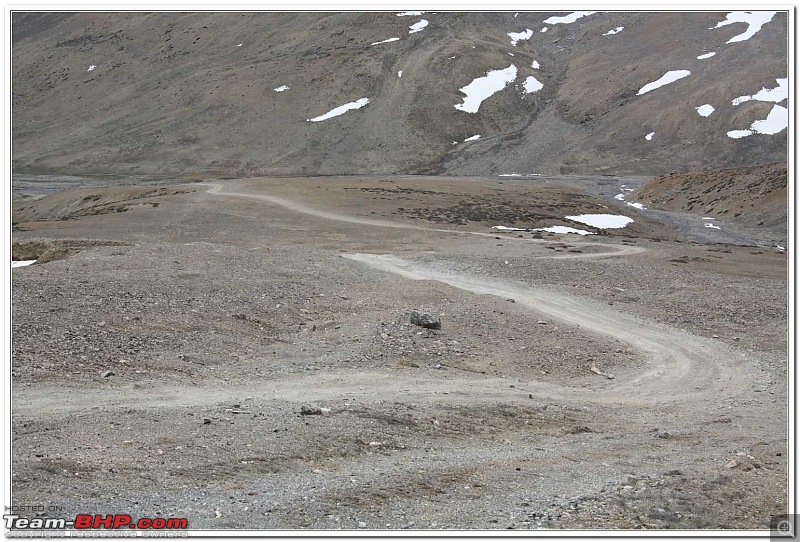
[754,196]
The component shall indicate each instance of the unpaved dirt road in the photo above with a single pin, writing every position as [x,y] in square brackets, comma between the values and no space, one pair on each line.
[220,313]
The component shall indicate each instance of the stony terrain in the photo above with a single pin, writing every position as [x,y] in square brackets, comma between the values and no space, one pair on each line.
[241,353]
[194,94]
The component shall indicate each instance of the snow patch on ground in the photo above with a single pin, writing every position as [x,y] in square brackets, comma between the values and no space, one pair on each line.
[417,27]
[240,45]
[617,30]
[520,175]
[545,29]
[705,110]
[709,225]
[22,263]
[667,78]
[649,136]
[536,65]
[506,228]
[705,56]
[476,137]
[602,221]
[568,19]
[281,88]
[400,73]
[532,85]
[775,95]
[621,197]
[482,88]
[754,20]
[564,229]
[776,122]
[708,218]
[341,110]
[91,68]
[520,36]
[385,41]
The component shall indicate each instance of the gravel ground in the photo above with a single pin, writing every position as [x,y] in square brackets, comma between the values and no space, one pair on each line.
[222,361]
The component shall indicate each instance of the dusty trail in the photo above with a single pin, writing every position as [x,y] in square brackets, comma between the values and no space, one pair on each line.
[681,367]
[220,190]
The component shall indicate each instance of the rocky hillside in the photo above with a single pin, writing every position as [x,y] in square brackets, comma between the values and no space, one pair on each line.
[241,94]
[755,196]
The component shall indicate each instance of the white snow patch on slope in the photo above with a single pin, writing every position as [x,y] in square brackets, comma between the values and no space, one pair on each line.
[705,110]
[281,88]
[712,226]
[567,19]
[482,88]
[708,218]
[754,20]
[410,13]
[417,27]
[705,56]
[536,65]
[385,41]
[602,221]
[240,45]
[476,137]
[506,228]
[617,30]
[532,85]
[776,95]
[776,122]
[545,29]
[520,36]
[92,67]
[649,136]
[22,263]
[400,73]
[667,78]
[341,110]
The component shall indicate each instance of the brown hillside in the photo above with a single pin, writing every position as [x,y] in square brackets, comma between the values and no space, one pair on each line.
[756,196]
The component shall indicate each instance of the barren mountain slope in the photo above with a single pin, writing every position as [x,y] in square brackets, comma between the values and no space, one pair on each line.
[195,93]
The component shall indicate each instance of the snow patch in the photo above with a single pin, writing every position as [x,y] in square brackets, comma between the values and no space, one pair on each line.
[709,225]
[281,88]
[545,29]
[536,65]
[341,110]
[482,88]
[400,73]
[476,137]
[564,229]
[649,136]
[91,68]
[602,221]
[708,218]
[240,45]
[705,56]
[617,30]
[754,20]
[22,263]
[417,27]
[532,85]
[520,36]
[568,19]
[667,78]
[775,95]
[385,41]
[776,122]
[705,110]
[506,228]
[410,13]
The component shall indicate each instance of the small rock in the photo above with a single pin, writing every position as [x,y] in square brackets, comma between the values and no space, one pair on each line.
[542,322]
[107,373]
[306,410]
[663,434]
[715,336]
[362,524]
[206,421]
[732,464]
[425,319]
